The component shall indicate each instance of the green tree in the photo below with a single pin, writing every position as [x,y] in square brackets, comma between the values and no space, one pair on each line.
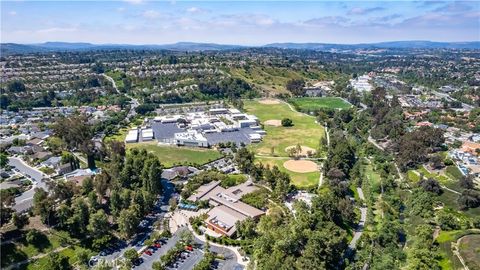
[43,206]
[98,225]
[83,256]
[3,160]
[20,220]
[158,265]
[128,222]
[57,261]
[131,254]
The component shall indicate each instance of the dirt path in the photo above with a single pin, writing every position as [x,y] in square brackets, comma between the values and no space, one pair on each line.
[456,251]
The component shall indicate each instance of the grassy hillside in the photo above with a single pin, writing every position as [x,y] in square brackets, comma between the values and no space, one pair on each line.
[311,104]
[273,80]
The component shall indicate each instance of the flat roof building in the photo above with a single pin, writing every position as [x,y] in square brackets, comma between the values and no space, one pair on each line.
[132,136]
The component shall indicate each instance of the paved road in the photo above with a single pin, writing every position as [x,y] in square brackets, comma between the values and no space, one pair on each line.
[25,201]
[363,218]
[160,210]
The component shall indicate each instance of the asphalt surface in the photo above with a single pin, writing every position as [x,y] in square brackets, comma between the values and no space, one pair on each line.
[363,218]
[137,243]
[193,258]
[25,200]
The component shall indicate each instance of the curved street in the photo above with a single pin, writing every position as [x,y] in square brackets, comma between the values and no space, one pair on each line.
[25,200]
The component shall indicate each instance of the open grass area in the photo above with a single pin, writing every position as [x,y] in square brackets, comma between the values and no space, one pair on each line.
[173,155]
[300,180]
[274,79]
[304,132]
[453,172]
[20,250]
[373,178]
[412,176]
[117,77]
[118,136]
[311,104]
[470,250]
[445,240]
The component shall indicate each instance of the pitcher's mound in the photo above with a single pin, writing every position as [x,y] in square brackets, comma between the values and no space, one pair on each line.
[274,123]
[300,166]
[304,152]
[269,101]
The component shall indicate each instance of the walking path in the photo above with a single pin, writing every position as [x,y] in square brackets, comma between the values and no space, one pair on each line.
[456,251]
[133,101]
[39,256]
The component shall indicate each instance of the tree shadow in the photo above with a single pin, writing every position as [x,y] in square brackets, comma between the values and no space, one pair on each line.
[41,242]
[11,254]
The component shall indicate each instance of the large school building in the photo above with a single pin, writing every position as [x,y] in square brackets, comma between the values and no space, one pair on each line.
[200,129]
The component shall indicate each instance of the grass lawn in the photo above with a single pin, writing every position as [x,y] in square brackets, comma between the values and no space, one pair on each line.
[118,136]
[117,77]
[21,250]
[412,176]
[300,180]
[374,179]
[311,104]
[304,132]
[454,172]
[174,155]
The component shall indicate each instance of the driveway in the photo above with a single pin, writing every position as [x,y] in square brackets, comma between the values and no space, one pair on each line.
[25,201]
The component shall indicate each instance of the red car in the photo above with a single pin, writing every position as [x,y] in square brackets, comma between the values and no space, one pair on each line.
[157,245]
[148,252]
[189,248]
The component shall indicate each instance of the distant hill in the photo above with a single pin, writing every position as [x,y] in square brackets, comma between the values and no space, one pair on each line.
[14,48]
[417,44]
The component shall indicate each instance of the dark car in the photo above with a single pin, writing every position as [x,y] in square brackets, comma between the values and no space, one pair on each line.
[138,261]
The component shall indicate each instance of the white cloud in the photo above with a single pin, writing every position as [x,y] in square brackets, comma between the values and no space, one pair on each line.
[134,2]
[12,13]
[151,14]
[196,10]
[120,9]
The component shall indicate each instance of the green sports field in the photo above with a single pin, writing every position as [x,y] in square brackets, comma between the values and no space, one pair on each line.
[304,132]
[299,180]
[311,104]
[174,155]
[170,155]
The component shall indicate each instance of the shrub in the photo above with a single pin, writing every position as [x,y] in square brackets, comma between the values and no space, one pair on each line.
[287,122]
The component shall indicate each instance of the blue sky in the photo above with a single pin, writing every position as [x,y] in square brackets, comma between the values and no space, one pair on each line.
[240,22]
